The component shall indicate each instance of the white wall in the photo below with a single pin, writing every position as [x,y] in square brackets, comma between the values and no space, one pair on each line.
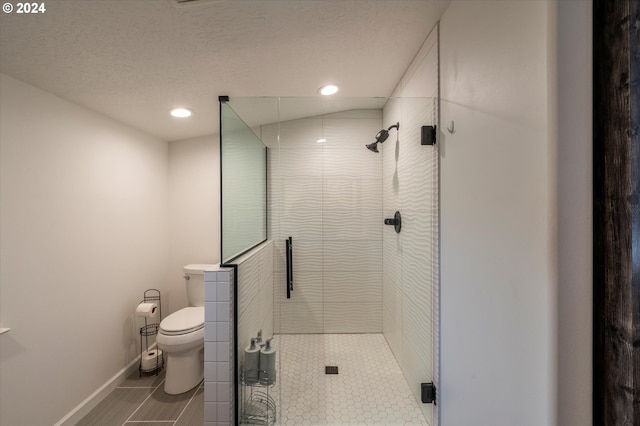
[574,312]
[498,209]
[410,258]
[194,210]
[83,216]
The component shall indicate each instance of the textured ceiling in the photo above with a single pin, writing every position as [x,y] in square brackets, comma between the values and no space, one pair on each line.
[133,60]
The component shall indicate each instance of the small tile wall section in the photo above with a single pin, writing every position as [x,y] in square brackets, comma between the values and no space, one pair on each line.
[254,282]
[219,400]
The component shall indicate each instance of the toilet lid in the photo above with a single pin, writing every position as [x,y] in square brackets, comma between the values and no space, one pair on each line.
[183,321]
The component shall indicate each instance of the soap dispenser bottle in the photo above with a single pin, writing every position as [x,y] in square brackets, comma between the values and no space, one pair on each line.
[268,364]
[252,363]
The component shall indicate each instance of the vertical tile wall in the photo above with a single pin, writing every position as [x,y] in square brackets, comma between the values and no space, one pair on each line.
[410,262]
[255,295]
[254,282]
[328,197]
[218,348]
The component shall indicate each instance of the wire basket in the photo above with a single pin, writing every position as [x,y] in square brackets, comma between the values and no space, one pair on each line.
[257,404]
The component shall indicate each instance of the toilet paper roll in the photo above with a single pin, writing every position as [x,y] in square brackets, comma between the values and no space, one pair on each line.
[147,310]
[151,359]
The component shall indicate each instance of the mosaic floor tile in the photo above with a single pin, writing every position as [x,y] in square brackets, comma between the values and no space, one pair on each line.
[369,388]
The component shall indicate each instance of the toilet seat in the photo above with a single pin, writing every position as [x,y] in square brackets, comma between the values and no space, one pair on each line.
[184,321]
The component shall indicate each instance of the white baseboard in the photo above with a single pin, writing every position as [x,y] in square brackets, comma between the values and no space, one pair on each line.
[101,393]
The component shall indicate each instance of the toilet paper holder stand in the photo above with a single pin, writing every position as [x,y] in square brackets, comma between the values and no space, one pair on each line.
[150,329]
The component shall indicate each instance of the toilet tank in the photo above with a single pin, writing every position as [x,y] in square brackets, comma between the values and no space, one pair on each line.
[194,280]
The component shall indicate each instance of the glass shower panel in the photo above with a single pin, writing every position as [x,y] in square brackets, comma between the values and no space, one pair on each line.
[326,195]
[411,257]
[244,185]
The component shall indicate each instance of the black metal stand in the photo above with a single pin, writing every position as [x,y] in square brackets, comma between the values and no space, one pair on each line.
[150,296]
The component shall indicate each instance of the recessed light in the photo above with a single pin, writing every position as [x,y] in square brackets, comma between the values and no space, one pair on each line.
[329,89]
[181,112]
[321,140]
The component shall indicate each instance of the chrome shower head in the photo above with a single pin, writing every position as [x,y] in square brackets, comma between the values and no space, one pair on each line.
[373,147]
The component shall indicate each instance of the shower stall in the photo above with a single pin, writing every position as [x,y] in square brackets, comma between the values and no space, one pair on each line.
[349,301]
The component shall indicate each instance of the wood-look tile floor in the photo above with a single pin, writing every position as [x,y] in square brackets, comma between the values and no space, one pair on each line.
[141,401]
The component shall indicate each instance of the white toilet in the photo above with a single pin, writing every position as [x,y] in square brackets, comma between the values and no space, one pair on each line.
[181,336]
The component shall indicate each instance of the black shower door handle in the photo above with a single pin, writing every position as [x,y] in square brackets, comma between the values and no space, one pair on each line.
[289,257]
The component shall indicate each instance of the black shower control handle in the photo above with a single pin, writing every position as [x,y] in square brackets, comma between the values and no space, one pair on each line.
[396,221]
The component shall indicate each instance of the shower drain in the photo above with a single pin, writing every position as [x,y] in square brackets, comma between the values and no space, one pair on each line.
[330,369]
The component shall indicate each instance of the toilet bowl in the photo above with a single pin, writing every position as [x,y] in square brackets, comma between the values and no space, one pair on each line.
[181,338]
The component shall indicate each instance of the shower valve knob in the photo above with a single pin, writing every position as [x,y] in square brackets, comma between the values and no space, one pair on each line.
[396,221]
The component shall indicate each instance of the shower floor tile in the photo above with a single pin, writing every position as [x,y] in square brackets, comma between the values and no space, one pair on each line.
[369,389]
